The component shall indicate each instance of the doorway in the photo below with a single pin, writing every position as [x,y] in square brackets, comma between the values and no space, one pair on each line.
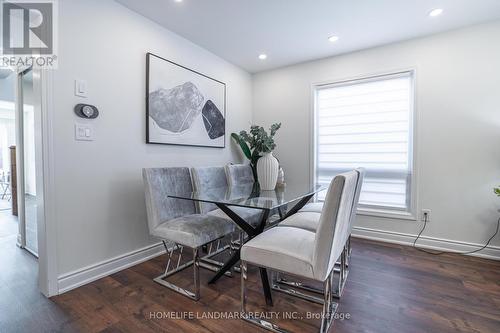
[20,277]
[19,123]
[21,183]
[28,252]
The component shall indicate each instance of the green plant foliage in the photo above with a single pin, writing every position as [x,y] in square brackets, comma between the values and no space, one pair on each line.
[259,139]
[497,191]
[243,145]
[256,142]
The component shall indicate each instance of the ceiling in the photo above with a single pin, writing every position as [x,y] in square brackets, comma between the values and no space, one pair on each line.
[293,31]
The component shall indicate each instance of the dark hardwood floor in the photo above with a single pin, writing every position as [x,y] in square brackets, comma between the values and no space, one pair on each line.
[22,307]
[391,288]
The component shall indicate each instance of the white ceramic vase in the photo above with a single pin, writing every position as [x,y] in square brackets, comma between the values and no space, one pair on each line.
[267,171]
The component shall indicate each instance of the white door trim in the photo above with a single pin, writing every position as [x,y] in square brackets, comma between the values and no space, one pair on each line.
[47,227]
[19,120]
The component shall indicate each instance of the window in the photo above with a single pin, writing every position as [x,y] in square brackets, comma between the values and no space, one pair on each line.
[368,123]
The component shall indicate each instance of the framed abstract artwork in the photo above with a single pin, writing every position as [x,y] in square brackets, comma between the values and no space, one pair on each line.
[183,107]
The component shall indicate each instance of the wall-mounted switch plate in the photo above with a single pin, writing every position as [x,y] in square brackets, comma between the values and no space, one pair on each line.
[84,132]
[81,88]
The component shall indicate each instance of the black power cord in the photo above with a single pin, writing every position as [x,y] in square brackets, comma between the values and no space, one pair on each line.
[437,253]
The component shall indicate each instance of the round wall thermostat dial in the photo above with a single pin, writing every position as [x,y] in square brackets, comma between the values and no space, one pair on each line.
[88,111]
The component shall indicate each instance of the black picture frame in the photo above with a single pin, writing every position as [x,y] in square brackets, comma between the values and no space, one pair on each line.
[149,55]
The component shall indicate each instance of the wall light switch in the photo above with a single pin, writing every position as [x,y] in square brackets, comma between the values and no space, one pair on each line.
[81,88]
[84,132]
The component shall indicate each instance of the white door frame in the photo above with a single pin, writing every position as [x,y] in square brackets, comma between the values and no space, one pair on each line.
[19,120]
[47,246]
[47,228]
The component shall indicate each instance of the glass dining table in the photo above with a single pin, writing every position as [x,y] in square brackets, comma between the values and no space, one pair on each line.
[284,200]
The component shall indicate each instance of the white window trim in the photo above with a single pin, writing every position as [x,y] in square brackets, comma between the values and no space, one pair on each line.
[412,214]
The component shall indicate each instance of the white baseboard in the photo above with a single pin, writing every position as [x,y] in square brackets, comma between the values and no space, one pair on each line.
[490,252]
[94,272]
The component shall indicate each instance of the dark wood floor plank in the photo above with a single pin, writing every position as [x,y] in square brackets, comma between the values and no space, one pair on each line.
[22,307]
[391,288]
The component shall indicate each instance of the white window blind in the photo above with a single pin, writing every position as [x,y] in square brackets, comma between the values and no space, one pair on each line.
[368,123]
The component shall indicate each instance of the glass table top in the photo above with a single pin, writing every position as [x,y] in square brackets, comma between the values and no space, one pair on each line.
[250,196]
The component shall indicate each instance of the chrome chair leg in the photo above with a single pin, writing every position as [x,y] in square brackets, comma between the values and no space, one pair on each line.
[214,265]
[238,245]
[243,271]
[281,284]
[196,274]
[279,279]
[326,305]
[327,314]
[349,248]
[341,268]
[196,264]
[329,306]
[343,271]
[247,316]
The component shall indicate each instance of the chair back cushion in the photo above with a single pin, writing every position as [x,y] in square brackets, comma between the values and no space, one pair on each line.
[238,174]
[334,226]
[205,179]
[359,185]
[158,184]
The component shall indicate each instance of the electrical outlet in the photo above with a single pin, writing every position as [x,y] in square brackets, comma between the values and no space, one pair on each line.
[426,215]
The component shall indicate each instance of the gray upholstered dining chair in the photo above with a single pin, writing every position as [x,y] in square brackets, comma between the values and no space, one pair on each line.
[238,174]
[210,178]
[177,224]
[316,207]
[241,174]
[305,254]
[206,179]
[308,218]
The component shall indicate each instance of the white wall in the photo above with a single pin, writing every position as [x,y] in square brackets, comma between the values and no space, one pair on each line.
[7,113]
[7,88]
[7,135]
[29,135]
[100,210]
[29,152]
[99,200]
[7,126]
[458,135]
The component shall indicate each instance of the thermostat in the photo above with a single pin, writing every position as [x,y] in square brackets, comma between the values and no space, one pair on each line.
[86,111]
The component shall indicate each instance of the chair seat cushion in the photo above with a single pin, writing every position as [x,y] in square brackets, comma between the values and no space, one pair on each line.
[194,230]
[315,207]
[304,220]
[251,215]
[286,249]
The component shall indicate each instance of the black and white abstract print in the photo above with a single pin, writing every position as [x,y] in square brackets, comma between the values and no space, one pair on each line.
[184,107]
